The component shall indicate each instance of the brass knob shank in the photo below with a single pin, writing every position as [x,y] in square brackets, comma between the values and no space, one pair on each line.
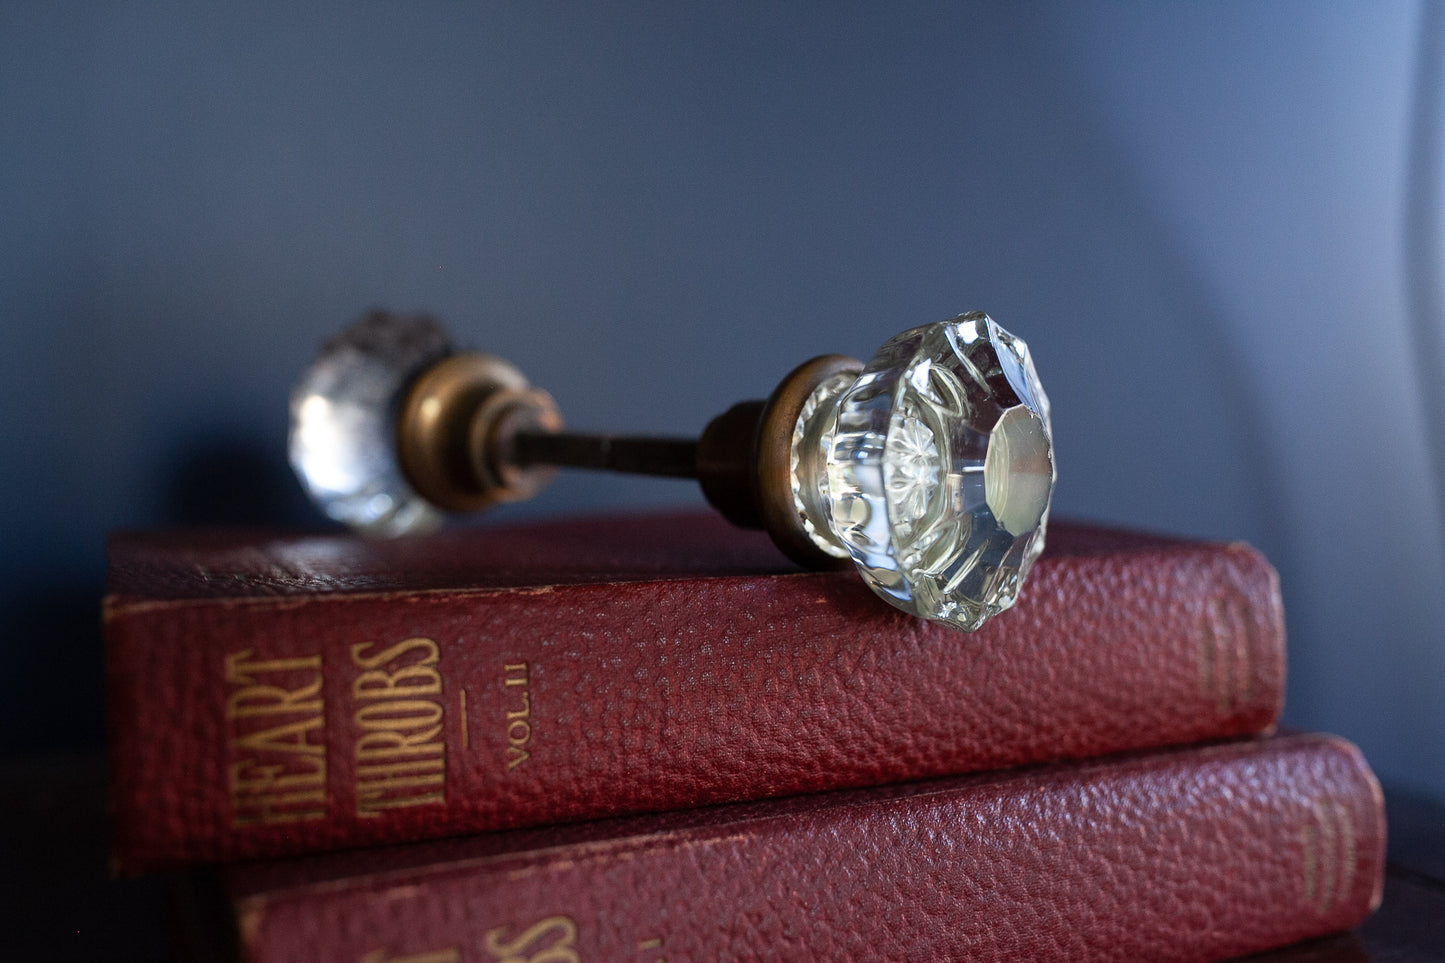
[472,432]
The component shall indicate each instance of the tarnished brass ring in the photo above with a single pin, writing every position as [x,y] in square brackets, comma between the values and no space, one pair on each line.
[496,422]
[774,450]
[434,429]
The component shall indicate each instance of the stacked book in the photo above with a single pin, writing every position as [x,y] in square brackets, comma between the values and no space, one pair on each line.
[653,739]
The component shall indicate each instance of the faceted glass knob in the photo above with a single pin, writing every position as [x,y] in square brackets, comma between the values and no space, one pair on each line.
[343,423]
[932,470]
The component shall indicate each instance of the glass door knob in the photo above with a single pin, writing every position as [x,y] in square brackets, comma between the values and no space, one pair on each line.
[930,468]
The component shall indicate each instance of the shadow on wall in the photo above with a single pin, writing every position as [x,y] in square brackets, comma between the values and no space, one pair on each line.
[218,476]
[227,478]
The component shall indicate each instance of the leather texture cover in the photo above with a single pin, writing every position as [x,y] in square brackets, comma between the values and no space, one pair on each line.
[278,695]
[1185,854]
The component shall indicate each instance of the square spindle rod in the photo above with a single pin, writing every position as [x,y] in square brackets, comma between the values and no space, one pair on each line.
[668,457]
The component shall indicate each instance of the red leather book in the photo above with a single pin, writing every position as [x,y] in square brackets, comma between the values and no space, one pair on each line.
[281,695]
[1184,854]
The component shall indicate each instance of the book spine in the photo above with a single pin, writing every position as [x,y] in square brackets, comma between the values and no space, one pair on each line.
[1191,855]
[261,727]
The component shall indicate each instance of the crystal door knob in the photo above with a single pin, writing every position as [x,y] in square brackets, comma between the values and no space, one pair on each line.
[933,469]
[930,468]
[343,423]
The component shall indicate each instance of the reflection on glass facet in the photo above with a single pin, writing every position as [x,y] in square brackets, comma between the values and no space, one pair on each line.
[343,422]
[937,469]
[1018,472]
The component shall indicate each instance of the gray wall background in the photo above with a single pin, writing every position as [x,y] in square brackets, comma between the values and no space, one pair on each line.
[1217,225]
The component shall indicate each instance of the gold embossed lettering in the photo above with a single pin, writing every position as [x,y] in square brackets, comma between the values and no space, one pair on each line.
[1329,855]
[280,775]
[417,679]
[549,940]
[519,726]
[433,653]
[287,737]
[240,670]
[264,700]
[451,954]
[1227,652]
[390,744]
[397,785]
[526,709]
[401,751]
[400,715]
